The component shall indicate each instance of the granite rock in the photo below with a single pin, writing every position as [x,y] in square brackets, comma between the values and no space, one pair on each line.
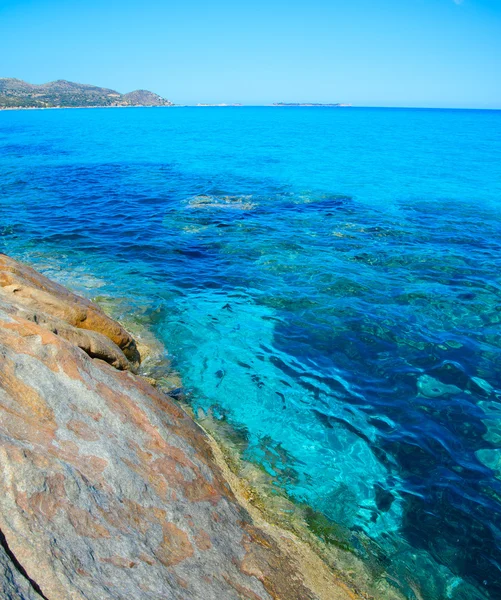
[22,285]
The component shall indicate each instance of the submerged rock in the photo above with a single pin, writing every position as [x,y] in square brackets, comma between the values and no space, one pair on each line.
[108,489]
[433,388]
[222,202]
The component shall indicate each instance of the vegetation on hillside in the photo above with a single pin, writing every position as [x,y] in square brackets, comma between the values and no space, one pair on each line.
[15,93]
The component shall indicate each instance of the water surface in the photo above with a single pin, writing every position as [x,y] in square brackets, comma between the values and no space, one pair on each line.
[327,281]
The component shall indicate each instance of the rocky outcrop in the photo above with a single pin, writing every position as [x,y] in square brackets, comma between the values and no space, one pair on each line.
[72,317]
[108,490]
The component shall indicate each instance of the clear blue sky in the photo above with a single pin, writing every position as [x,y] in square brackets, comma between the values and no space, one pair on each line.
[367,52]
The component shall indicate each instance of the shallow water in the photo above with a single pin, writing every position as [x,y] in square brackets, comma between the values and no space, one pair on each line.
[327,280]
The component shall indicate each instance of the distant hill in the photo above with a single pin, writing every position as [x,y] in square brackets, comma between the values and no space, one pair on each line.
[15,93]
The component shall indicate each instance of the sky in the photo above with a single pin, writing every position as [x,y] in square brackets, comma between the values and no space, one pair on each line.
[423,53]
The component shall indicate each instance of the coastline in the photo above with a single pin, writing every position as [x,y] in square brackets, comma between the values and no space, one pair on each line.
[306,533]
[321,547]
[14,108]
[326,558]
[328,570]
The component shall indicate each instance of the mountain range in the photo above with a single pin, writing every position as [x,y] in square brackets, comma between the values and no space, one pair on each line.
[15,93]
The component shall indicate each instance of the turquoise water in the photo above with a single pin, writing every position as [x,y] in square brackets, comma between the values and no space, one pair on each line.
[326,280]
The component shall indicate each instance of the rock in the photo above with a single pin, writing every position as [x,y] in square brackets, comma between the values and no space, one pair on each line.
[92,343]
[480,386]
[14,585]
[25,286]
[433,388]
[491,458]
[108,489]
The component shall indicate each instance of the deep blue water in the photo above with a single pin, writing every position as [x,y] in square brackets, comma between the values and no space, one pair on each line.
[327,280]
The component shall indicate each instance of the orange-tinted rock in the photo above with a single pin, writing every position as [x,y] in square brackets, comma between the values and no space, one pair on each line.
[40,294]
[107,489]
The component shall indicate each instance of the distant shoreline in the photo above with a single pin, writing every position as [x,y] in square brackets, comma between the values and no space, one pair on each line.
[2,108]
[19,108]
[275,105]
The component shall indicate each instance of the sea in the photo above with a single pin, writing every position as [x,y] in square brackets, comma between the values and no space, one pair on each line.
[327,282]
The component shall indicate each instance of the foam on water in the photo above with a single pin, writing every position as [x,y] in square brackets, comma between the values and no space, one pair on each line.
[327,281]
